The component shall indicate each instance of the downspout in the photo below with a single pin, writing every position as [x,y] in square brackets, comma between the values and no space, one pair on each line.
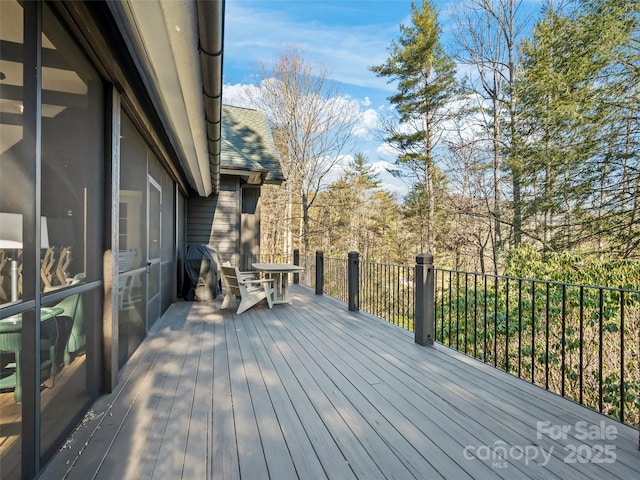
[211,41]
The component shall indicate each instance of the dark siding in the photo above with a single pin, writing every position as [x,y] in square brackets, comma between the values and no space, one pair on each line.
[250,230]
[215,220]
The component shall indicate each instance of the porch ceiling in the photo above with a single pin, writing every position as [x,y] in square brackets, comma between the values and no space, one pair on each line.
[179,44]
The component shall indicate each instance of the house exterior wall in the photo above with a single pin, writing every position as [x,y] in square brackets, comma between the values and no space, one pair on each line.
[63,152]
[249,226]
[214,220]
[228,222]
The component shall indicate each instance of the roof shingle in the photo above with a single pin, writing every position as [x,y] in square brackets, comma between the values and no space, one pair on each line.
[247,143]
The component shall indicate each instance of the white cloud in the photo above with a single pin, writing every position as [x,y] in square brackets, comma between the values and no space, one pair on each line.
[250,33]
[381,166]
[367,124]
[398,188]
[365,132]
[387,151]
[238,95]
[370,118]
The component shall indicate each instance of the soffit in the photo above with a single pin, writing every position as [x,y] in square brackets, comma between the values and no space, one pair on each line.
[164,37]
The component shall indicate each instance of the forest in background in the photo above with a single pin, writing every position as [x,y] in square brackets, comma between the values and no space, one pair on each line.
[531,155]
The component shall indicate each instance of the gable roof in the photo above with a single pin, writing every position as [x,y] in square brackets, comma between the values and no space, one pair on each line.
[247,147]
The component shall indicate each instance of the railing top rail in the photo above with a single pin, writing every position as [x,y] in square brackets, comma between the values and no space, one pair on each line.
[401,265]
[533,280]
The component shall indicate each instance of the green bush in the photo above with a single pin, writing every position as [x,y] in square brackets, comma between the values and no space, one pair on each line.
[558,332]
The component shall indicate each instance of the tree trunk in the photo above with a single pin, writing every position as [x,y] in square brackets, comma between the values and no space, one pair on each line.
[497,195]
[306,231]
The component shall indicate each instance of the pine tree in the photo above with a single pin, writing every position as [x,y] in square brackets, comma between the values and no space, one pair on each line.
[426,83]
[579,123]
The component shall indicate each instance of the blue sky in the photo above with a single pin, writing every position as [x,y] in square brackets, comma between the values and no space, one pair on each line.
[346,36]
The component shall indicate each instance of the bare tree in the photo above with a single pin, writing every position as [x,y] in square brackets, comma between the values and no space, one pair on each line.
[491,29]
[312,126]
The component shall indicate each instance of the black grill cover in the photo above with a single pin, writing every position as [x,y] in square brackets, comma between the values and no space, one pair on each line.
[202,269]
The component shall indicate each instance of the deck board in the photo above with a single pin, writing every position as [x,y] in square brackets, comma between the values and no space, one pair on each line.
[176,408]
[113,414]
[197,448]
[418,402]
[406,425]
[249,443]
[276,451]
[421,411]
[312,421]
[356,442]
[224,454]
[298,442]
[377,418]
[311,390]
[507,417]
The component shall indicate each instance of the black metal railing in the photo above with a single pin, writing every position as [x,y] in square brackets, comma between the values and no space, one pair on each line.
[387,291]
[579,341]
[335,278]
[384,290]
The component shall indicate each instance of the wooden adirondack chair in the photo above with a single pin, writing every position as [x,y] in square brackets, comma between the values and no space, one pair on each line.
[4,262]
[249,290]
[63,264]
[47,271]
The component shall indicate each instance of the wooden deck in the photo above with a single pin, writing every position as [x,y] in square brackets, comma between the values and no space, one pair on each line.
[313,391]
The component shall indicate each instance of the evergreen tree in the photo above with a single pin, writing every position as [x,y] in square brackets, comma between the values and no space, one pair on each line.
[353,214]
[426,83]
[579,123]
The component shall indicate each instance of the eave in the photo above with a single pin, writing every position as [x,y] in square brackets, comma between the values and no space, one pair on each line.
[178,47]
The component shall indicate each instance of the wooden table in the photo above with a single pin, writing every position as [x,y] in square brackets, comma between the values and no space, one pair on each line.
[280,273]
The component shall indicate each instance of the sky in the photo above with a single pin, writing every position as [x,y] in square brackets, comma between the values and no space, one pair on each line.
[345,36]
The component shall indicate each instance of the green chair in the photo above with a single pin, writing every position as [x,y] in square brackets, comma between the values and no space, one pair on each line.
[11,343]
[73,309]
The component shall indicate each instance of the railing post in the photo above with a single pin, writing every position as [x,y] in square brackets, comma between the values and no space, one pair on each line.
[296,261]
[424,327]
[319,272]
[353,277]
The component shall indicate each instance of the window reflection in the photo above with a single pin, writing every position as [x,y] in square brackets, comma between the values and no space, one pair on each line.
[12,179]
[71,206]
[70,225]
[132,256]
[72,146]
[71,151]
[131,314]
[64,342]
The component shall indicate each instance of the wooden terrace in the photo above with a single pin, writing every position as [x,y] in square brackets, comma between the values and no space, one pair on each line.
[311,390]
